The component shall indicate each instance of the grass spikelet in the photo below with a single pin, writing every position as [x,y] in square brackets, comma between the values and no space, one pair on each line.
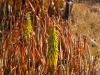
[28,32]
[52,57]
[28,27]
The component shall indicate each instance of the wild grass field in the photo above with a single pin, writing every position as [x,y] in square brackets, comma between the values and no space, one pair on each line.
[35,39]
[85,19]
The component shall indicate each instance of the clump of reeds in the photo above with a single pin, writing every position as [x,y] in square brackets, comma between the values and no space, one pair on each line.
[26,51]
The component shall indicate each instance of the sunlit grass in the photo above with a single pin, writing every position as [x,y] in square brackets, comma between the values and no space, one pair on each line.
[63,48]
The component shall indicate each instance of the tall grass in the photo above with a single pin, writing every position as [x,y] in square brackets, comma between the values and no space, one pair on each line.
[34,52]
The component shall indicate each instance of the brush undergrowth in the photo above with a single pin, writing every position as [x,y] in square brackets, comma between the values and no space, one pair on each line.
[45,48]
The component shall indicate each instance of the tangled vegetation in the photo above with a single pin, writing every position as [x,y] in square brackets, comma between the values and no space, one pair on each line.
[36,40]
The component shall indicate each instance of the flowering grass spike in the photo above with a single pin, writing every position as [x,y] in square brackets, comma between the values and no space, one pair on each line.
[52,57]
[28,27]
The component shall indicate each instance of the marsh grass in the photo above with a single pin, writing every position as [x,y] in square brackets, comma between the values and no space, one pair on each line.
[21,58]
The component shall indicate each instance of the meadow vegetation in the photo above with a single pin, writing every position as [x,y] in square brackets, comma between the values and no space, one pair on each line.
[35,39]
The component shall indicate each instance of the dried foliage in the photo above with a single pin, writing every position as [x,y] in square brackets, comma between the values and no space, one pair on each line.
[17,57]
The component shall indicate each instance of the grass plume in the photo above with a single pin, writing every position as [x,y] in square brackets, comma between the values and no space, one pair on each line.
[52,57]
